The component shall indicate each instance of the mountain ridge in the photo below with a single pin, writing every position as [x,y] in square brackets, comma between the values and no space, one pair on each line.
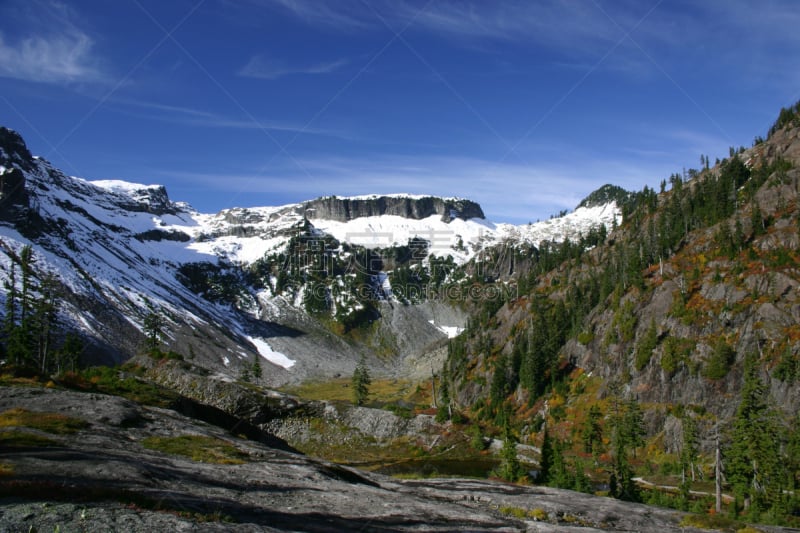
[666,312]
[125,250]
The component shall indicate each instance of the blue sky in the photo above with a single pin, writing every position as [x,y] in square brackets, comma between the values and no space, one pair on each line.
[522,106]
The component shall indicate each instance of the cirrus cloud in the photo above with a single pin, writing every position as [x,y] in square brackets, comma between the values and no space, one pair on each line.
[261,68]
[52,50]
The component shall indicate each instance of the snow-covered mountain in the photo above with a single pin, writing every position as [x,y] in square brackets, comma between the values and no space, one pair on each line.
[232,285]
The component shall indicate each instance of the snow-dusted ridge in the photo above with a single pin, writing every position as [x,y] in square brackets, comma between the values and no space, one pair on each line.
[119,249]
[122,186]
[578,222]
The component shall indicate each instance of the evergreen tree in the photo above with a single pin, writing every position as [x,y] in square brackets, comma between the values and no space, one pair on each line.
[30,314]
[361,382]
[15,349]
[510,468]
[625,427]
[476,438]
[546,457]
[645,347]
[43,322]
[153,330]
[593,432]
[559,475]
[69,354]
[10,318]
[622,485]
[443,411]
[793,453]
[633,431]
[582,482]
[499,388]
[754,465]
[757,220]
[26,261]
[689,449]
[256,369]
[719,364]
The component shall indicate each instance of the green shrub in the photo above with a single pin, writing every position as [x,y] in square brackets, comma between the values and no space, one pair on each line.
[198,448]
[538,514]
[54,423]
[516,512]
[719,364]
[707,521]
[23,439]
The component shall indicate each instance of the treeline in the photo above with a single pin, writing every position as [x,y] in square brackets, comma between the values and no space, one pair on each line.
[693,204]
[762,461]
[788,115]
[32,335]
[559,306]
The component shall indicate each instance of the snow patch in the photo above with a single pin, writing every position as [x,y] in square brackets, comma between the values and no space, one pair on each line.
[450,331]
[271,355]
[122,186]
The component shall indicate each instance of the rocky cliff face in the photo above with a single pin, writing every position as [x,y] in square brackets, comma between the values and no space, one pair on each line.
[151,199]
[413,207]
[14,157]
[668,307]
[13,151]
[13,196]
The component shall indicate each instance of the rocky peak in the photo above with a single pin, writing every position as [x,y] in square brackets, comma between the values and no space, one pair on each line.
[605,195]
[140,198]
[413,207]
[13,151]
[153,199]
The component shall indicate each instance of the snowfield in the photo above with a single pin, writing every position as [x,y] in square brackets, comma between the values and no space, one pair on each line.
[266,351]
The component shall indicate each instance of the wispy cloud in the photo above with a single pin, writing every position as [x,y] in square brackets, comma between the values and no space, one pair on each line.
[341,14]
[55,51]
[551,23]
[266,69]
[581,31]
[198,118]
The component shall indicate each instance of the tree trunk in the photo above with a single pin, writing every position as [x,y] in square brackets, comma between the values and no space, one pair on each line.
[718,477]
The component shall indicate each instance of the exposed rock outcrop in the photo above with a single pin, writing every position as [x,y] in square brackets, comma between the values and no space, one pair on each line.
[152,199]
[13,196]
[414,207]
[13,151]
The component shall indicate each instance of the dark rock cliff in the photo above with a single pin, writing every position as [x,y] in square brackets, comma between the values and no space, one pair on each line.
[14,155]
[344,209]
[153,200]
[13,151]
[13,196]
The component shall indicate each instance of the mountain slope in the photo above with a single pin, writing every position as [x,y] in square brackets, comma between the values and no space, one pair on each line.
[682,319]
[280,285]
